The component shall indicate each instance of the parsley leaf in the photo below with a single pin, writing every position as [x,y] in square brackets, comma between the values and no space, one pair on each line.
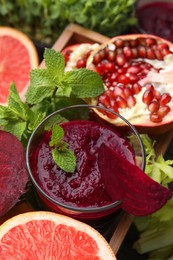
[62,155]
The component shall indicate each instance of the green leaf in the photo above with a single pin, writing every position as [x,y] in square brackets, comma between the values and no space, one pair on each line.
[16,128]
[41,87]
[83,82]
[15,104]
[55,64]
[57,135]
[65,159]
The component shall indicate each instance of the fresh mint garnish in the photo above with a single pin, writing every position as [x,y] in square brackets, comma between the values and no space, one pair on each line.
[62,155]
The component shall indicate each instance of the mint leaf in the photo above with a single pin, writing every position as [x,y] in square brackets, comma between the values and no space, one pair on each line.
[55,64]
[84,83]
[41,86]
[65,159]
[16,128]
[57,135]
[62,155]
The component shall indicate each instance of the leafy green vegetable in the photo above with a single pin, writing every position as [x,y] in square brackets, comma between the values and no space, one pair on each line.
[62,155]
[156,230]
[47,19]
[50,88]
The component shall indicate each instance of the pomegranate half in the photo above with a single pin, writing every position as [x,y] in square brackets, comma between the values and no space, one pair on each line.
[137,71]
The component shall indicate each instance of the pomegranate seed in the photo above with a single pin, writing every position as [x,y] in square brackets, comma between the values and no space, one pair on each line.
[157,94]
[127,92]
[150,54]
[67,55]
[142,51]
[102,54]
[154,106]
[121,71]
[165,52]
[113,105]
[119,43]
[163,46]
[142,41]
[147,96]
[136,88]
[165,98]
[104,99]
[111,115]
[120,102]
[158,54]
[81,63]
[123,79]
[150,41]
[100,68]
[134,53]
[109,66]
[134,42]
[110,55]
[119,91]
[134,69]
[110,93]
[120,59]
[149,86]
[88,54]
[155,118]
[113,77]
[133,78]
[127,52]
[131,101]
[96,58]
[163,111]
[119,51]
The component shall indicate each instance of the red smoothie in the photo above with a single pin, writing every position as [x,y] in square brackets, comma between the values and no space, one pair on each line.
[84,188]
[156,18]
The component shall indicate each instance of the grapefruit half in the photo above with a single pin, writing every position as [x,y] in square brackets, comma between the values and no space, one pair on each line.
[45,235]
[18,55]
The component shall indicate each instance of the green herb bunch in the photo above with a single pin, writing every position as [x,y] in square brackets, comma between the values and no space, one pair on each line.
[44,20]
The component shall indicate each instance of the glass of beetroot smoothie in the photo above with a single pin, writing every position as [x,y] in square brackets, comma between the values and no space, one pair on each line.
[155,17]
[80,194]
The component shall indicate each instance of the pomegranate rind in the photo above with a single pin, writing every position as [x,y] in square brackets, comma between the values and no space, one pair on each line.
[142,124]
[30,47]
[13,172]
[104,251]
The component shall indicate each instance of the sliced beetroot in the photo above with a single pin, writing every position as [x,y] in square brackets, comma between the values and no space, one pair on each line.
[13,173]
[124,181]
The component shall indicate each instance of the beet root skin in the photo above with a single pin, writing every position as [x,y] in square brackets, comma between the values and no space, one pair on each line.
[13,172]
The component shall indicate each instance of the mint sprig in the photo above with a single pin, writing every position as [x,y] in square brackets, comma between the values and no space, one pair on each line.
[18,118]
[62,155]
[53,82]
